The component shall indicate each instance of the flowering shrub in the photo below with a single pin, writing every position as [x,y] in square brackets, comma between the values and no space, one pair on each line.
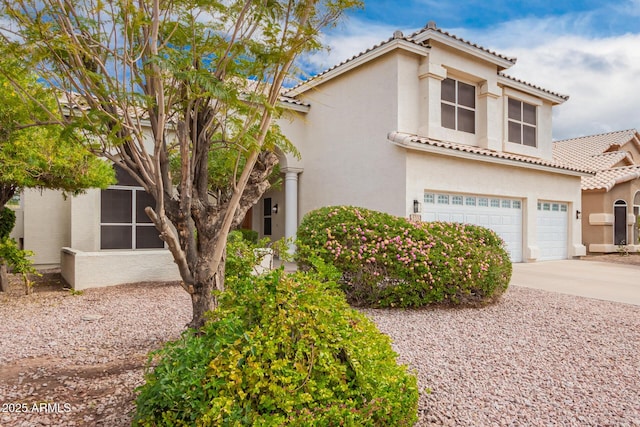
[388,261]
[281,350]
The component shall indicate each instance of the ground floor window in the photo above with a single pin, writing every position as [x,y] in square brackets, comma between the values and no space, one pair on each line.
[123,222]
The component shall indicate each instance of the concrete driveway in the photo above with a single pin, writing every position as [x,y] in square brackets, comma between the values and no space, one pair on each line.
[591,279]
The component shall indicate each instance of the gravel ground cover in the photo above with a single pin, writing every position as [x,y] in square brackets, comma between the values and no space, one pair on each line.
[533,359]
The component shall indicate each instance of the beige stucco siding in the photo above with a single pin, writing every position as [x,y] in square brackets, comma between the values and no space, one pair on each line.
[427,171]
[47,226]
[347,159]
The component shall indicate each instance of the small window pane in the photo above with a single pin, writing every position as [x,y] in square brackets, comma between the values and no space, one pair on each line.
[466,95]
[470,201]
[506,204]
[143,199]
[515,135]
[514,109]
[448,90]
[563,208]
[448,119]
[443,199]
[482,201]
[495,203]
[115,206]
[429,198]
[266,207]
[539,206]
[529,136]
[115,237]
[456,200]
[555,207]
[267,226]
[546,206]
[147,237]
[466,120]
[516,204]
[529,113]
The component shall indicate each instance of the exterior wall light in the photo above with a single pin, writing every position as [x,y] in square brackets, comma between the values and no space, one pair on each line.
[416,206]
[578,214]
[274,209]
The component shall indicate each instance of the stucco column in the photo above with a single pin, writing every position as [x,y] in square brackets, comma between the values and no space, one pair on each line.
[291,205]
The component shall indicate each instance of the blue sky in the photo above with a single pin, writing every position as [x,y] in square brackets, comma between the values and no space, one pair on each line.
[589,50]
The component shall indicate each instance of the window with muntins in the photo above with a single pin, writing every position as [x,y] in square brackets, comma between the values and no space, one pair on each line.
[522,123]
[123,222]
[458,102]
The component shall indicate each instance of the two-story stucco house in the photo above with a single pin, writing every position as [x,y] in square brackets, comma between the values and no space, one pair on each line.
[425,125]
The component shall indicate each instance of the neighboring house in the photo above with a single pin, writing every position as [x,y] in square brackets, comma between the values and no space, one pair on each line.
[425,125]
[610,198]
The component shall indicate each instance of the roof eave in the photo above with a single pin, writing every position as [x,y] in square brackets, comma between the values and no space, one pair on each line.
[407,143]
[524,87]
[463,46]
[356,62]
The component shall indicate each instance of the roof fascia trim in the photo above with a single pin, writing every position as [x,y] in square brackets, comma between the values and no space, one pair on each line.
[349,65]
[523,87]
[483,158]
[465,47]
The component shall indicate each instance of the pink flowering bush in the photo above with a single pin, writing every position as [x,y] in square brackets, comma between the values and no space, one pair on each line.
[386,261]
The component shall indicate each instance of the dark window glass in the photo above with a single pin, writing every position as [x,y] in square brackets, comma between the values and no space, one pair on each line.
[266,211]
[448,116]
[143,199]
[466,95]
[147,238]
[466,120]
[515,132]
[514,109]
[529,135]
[124,178]
[529,113]
[267,226]
[448,90]
[115,237]
[115,206]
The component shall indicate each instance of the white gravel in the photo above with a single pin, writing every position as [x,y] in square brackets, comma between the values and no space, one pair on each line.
[534,359]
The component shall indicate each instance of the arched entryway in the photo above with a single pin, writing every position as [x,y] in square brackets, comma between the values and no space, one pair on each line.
[620,223]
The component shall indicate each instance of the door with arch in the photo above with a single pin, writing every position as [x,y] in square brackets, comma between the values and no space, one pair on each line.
[620,223]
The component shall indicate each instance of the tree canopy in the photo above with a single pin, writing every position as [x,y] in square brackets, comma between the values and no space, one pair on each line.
[181,83]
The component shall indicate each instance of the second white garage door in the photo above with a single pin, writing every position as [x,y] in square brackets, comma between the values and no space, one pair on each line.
[502,215]
[552,230]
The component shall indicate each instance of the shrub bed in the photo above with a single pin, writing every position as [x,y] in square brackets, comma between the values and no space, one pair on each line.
[280,350]
[388,261]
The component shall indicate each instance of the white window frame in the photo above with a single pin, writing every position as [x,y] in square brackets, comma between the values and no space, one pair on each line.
[521,123]
[457,106]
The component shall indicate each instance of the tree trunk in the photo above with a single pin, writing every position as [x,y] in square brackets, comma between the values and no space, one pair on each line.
[202,299]
[4,278]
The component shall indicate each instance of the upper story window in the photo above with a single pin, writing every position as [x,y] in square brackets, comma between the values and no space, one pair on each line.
[522,123]
[123,222]
[458,101]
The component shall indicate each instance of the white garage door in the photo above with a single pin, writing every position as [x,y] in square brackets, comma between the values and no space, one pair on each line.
[504,216]
[552,230]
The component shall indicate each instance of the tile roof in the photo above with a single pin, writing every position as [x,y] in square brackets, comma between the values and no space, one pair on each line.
[559,95]
[608,178]
[584,151]
[431,27]
[396,36]
[600,153]
[404,138]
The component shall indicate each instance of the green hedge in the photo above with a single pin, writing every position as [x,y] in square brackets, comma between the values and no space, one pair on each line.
[388,261]
[280,350]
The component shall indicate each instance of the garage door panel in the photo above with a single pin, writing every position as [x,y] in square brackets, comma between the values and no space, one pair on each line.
[502,215]
[552,223]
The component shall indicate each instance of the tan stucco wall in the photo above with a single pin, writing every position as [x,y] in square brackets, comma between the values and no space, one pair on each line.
[47,225]
[426,171]
[598,218]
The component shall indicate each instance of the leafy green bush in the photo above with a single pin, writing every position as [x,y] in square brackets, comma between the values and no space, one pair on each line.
[249,235]
[280,350]
[388,261]
[7,221]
